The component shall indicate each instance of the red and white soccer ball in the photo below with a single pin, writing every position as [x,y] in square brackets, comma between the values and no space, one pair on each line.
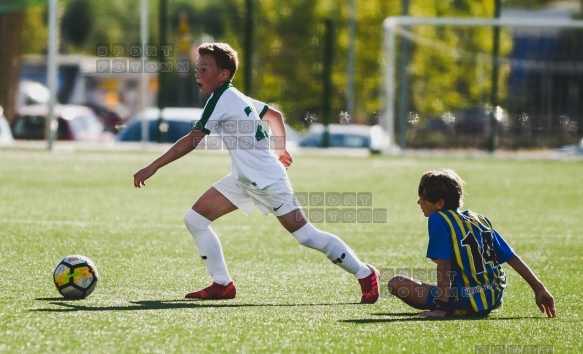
[75,277]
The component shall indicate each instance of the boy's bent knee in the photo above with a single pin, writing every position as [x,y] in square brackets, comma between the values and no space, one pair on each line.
[396,283]
[194,220]
[309,236]
[304,241]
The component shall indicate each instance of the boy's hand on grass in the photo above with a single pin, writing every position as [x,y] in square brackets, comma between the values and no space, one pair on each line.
[546,303]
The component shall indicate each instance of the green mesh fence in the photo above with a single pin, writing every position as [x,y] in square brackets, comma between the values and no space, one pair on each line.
[14,5]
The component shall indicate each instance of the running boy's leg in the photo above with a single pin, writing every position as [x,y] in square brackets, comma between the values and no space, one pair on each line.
[213,204]
[209,207]
[335,249]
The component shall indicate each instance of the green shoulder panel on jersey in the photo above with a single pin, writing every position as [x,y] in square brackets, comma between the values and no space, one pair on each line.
[210,107]
[263,111]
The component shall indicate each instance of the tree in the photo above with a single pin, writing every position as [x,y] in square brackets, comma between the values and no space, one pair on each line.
[34,39]
[458,76]
[76,22]
[11,26]
[290,50]
[288,45]
[288,61]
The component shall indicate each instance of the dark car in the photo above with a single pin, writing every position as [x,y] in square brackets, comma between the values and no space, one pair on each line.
[74,122]
[476,120]
[176,122]
[112,122]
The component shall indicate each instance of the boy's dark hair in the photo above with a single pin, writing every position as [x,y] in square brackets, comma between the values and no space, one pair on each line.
[444,184]
[225,56]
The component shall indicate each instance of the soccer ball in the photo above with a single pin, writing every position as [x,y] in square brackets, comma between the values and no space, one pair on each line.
[75,277]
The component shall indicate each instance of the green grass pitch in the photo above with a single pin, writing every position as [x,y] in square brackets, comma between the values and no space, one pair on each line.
[290,298]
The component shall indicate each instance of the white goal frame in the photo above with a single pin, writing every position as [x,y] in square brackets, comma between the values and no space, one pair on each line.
[391,27]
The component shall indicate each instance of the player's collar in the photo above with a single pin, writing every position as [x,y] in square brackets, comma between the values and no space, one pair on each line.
[223,88]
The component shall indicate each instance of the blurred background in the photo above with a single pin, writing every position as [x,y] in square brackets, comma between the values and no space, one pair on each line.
[322,62]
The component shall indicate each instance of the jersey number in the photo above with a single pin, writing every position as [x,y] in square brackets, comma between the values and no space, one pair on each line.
[481,255]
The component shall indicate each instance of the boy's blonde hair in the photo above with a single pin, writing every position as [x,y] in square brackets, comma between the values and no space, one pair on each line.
[225,56]
[443,184]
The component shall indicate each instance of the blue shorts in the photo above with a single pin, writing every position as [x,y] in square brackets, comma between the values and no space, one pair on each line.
[460,305]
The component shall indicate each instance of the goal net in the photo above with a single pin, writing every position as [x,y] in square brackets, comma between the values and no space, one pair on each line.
[484,83]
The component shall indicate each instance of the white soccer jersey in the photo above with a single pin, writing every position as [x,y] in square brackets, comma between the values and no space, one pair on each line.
[237,120]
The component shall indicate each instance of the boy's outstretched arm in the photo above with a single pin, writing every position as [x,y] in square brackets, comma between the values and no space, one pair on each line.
[277,127]
[443,283]
[180,148]
[544,299]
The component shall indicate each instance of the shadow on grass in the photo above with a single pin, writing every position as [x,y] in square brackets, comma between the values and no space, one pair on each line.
[67,305]
[413,316]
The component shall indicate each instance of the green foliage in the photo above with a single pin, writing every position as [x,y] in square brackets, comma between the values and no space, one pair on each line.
[15,5]
[289,69]
[288,45]
[117,22]
[217,19]
[76,22]
[34,39]
[458,57]
[529,4]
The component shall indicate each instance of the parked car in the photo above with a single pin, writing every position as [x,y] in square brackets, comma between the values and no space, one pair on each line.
[111,120]
[5,133]
[32,92]
[347,136]
[176,123]
[476,120]
[74,122]
[573,148]
[439,124]
[293,137]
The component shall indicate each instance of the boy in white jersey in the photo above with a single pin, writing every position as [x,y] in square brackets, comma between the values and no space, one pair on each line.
[258,177]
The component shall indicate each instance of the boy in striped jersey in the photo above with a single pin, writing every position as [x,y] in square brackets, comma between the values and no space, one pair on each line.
[258,177]
[468,252]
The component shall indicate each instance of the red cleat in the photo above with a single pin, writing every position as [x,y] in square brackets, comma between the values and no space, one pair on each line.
[370,287]
[214,292]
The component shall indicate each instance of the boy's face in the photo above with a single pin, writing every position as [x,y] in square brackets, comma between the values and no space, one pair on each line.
[428,207]
[208,76]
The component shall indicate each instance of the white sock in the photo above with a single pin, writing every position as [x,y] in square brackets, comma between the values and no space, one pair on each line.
[334,248]
[209,246]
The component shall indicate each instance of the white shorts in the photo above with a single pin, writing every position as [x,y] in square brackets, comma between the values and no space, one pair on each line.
[277,198]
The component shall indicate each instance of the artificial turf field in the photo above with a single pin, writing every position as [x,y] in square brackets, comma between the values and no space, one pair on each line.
[290,298]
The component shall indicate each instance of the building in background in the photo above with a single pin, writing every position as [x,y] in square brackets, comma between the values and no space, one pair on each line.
[111,83]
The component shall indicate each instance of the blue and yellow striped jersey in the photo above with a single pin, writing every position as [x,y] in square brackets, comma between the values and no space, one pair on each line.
[476,252]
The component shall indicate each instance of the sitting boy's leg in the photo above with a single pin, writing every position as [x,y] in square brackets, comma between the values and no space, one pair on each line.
[414,293]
